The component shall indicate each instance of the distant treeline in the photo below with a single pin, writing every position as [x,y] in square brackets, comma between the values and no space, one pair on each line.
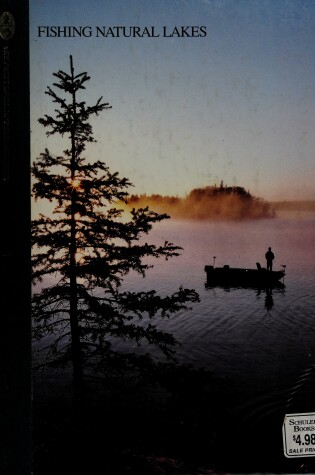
[210,202]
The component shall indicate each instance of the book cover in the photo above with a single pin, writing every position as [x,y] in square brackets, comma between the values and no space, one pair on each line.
[177,339]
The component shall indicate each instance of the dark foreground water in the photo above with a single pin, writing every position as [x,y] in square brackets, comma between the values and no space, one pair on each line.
[259,345]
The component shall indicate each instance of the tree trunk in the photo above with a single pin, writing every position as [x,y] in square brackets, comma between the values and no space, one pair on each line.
[74,323]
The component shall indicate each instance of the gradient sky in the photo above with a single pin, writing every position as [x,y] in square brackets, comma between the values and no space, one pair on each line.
[237,105]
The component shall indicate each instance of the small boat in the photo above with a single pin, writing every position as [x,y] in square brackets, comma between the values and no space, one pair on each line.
[227,275]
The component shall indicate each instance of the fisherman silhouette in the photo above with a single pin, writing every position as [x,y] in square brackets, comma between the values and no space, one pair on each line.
[269,257]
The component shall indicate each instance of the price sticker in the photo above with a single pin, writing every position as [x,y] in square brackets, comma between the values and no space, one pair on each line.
[298,432]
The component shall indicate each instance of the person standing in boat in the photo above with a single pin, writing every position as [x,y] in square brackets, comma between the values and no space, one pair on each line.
[269,258]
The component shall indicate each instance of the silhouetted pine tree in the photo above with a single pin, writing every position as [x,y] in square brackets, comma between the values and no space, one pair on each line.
[88,248]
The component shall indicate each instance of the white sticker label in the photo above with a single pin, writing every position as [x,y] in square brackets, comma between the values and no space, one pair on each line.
[299,435]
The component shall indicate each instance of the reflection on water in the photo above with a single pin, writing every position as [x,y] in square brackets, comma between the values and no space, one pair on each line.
[268,299]
[267,292]
[227,324]
[260,340]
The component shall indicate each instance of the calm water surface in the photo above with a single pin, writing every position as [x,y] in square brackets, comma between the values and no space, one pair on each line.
[262,350]
[263,345]
[258,342]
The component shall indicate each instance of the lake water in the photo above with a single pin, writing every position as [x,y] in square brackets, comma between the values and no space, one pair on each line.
[238,332]
[263,350]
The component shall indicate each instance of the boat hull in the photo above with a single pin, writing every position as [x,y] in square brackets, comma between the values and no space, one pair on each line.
[242,277]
